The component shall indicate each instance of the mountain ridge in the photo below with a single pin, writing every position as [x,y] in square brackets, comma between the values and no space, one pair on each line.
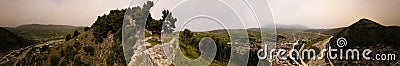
[41,32]
[366,33]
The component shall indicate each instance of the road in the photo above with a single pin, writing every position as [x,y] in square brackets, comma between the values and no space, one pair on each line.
[320,44]
[23,54]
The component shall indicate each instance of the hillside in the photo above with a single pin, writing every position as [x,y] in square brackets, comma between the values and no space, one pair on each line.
[366,33]
[10,40]
[43,33]
[84,49]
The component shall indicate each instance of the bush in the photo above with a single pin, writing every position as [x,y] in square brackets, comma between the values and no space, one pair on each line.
[54,60]
[76,33]
[106,23]
[69,52]
[89,50]
[78,61]
[77,45]
[68,37]
[86,29]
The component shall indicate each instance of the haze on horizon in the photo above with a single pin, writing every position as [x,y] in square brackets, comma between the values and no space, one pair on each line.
[311,13]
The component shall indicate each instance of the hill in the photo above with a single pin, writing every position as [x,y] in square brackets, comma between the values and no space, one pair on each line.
[43,33]
[366,33]
[10,40]
[83,49]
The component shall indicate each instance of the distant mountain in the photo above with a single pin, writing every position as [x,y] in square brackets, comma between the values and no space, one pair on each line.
[366,33]
[288,26]
[326,31]
[282,28]
[40,32]
[10,40]
[45,27]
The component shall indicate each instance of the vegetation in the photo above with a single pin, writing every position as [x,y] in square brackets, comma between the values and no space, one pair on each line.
[68,37]
[12,41]
[86,29]
[188,42]
[43,33]
[365,33]
[89,50]
[108,23]
[155,26]
[76,33]
[54,60]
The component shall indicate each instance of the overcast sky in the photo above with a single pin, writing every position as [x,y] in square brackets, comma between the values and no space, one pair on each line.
[311,13]
[64,12]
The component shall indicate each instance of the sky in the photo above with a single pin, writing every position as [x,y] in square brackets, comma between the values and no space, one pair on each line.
[64,12]
[311,13]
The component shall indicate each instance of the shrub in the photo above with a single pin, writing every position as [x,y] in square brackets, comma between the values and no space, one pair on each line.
[54,60]
[78,61]
[76,33]
[89,50]
[86,29]
[68,37]
[77,45]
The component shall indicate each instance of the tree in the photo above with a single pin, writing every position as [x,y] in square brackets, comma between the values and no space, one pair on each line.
[89,50]
[168,21]
[165,24]
[143,16]
[154,26]
[140,15]
[105,24]
[67,37]
[76,33]
[186,36]
[86,29]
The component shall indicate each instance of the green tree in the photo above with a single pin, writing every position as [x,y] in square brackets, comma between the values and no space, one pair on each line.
[54,60]
[86,29]
[168,21]
[186,36]
[76,33]
[67,37]
[89,50]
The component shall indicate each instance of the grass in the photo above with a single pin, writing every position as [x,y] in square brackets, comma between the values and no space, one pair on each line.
[153,42]
[167,40]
